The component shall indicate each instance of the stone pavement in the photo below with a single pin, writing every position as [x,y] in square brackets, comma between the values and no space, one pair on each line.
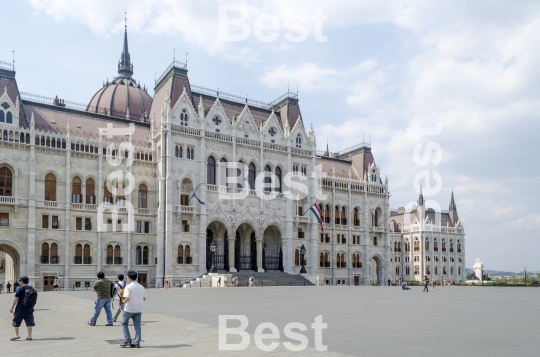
[61,330]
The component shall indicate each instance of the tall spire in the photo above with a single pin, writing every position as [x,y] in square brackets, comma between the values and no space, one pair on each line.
[452,206]
[125,67]
[421,198]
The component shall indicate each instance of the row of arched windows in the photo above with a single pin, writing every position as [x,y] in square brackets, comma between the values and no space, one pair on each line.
[217,174]
[416,246]
[49,254]
[341,260]
[428,270]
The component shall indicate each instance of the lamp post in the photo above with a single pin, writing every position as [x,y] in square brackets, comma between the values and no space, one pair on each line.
[302,253]
[213,250]
[525,276]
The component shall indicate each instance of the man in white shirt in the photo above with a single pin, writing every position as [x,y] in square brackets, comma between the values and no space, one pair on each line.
[134,298]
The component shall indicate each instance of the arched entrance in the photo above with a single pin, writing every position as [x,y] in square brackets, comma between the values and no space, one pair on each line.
[9,265]
[272,250]
[217,232]
[378,269]
[245,248]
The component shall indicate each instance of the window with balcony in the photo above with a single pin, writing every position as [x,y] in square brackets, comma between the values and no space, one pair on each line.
[143,196]
[211,170]
[90,192]
[76,190]
[185,225]
[6,182]
[50,187]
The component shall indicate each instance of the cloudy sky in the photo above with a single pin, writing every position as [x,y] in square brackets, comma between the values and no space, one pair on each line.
[371,69]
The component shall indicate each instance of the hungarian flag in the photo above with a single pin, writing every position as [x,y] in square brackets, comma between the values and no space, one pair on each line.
[317,212]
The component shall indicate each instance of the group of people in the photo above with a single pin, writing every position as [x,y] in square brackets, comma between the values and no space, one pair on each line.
[130,296]
[426,281]
[234,281]
[15,286]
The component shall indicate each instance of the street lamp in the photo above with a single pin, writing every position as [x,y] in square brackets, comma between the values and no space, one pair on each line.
[302,254]
[213,250]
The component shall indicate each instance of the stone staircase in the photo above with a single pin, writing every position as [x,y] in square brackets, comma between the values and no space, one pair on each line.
[269,278]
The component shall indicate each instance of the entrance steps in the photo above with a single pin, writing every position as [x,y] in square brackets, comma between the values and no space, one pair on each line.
[268,278]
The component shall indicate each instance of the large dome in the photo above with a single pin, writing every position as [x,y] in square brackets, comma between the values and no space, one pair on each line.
[123,97]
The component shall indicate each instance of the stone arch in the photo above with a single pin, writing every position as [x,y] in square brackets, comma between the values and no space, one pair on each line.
[378,269]
[272,247]
[217,230]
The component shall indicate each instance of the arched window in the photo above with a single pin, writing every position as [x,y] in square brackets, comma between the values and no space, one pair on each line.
[356,217]
[451,270]
[416,245]
[278,179]
[9,118]
[252,173]
[407,270]
[356,261]
[87,259]
[298,141]
[444,246]
[76,196]
[107,194]
[117,255]
[296,257]
[223,172]
[344,215]
[341,262]
[90,192]
[120,185]
[459,270]
[45,253]
[336,215]
[427,270]
[187,255]
[324,262]
[2,117]
[211,170]
[427,245]
[6,182]
[78,253]
[178,151]
[191,153]
[444,270]
[458,247]
[435,270]
[451,247]
[375,241]
[267,179]
[141,255]
[397,270]
[327,214]
[180,257]
[50,187]
[435,247]
[184,118]
[407,246]
[143,196]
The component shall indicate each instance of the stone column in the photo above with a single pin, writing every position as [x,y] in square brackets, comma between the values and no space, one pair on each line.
[67,224]
[98,201]
[259,243]
[231,238]
[201,155]
[31,245]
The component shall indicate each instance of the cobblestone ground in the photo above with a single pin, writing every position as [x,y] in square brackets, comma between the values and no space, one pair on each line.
[61,329]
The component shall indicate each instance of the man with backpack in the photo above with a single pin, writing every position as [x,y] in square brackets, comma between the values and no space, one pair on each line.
[23,307]
[105,291]
[119,287]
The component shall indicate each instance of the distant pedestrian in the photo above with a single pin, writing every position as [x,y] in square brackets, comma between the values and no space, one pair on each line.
[22,308]
[225,282]
[432,283]
[134,298]
[251,281]
[219,282]
[235,281]
[426,282]
[389,282]
[166,283]
[8,287]
[404,286]
[55,284]
[103,287]
[120,286]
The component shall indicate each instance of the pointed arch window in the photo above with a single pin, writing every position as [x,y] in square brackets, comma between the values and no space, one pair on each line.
[50,187]
[180,256]
[143,196]
[190,153]
[344,215]
[107,194]
[183,118]
[356,261]
[9,118]
[267,179]
[341,262]
[141,255]
[356,217]
[296,257]
[299,141]
[6,182]
[223,172]
[279,178]
[252,173]
[2,116]
[327,214]
[178,151]
[211,170]
[324,261]
[76,196]
[90,192]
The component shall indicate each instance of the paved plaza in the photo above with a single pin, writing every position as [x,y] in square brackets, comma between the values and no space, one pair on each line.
[362,321]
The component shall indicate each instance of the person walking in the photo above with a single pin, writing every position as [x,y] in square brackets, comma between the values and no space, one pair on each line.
[432,283]
[55,284]
[103,288]
[251,281]
[426,282]
[134,298]
[166,283]
[120,286]
[15,285]
[219,282]
[8,287]
[22,308]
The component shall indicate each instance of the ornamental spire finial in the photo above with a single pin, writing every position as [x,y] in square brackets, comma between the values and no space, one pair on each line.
[125,67]
[452,206]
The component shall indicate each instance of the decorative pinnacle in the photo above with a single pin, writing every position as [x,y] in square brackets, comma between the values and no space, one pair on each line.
[421,198]
[125,67]
[452,206]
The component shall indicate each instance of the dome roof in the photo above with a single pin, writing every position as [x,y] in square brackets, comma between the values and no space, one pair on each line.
[123,97]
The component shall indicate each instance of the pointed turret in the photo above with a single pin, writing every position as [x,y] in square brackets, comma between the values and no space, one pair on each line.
[125,67]
[421,200]
[452,210]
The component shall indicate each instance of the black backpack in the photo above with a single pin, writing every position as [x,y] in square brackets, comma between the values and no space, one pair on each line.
[30,297]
